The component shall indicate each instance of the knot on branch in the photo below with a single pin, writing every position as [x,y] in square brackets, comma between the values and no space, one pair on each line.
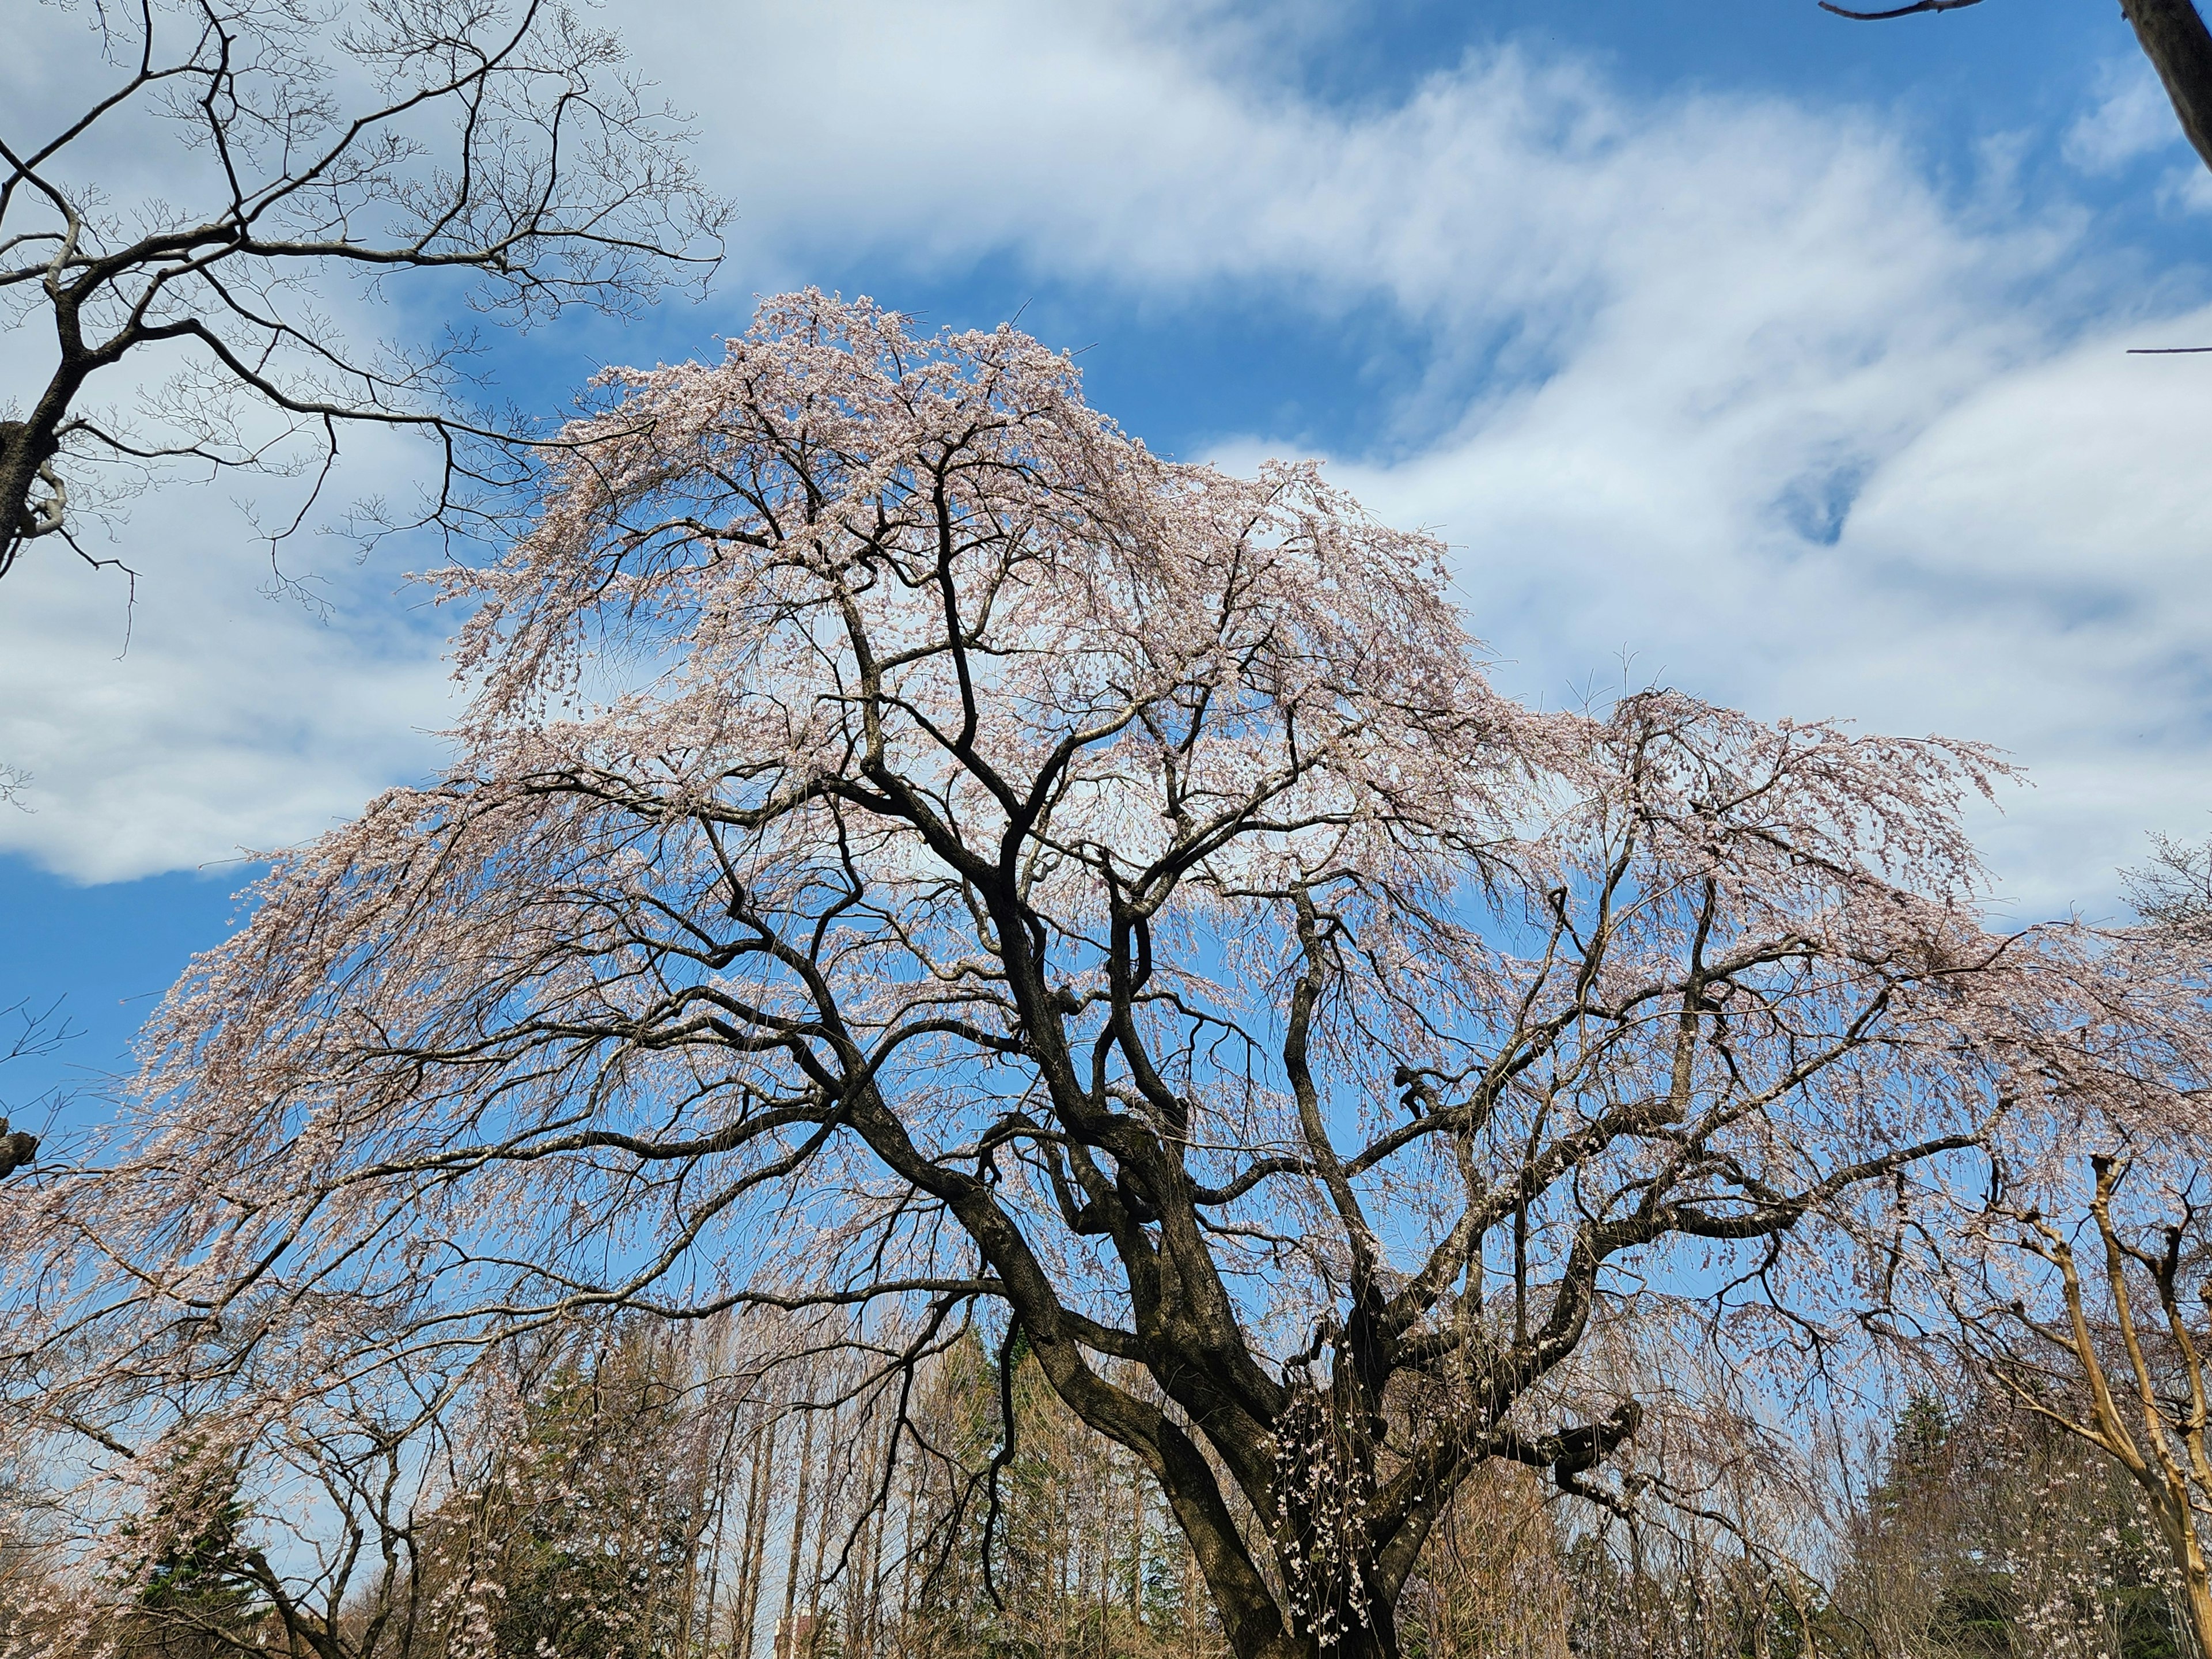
[16,1150]
[20,440]
[1575,1452]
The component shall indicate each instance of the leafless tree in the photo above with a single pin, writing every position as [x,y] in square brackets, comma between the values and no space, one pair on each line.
[2103,1337]
[501,141]
[2078,1284]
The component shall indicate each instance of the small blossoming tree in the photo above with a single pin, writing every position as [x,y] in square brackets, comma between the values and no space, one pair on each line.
[915,848]
[2078,1282]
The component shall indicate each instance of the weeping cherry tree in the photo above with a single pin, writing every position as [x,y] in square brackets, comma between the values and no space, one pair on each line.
[913,849]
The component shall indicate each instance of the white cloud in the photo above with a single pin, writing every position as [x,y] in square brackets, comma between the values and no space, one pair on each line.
[1793,429]
[205,717]
[2186,189]
[1800,434]
[1775,415]
[2130,117]
[2025,568]
[208,719]
[1097,144]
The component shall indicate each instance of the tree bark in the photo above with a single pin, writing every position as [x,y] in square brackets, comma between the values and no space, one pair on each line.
[822,1525]
[756,1546]
[2173,36]
[786,1632]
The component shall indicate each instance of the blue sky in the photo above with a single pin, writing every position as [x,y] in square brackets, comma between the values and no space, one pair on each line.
[1729,343]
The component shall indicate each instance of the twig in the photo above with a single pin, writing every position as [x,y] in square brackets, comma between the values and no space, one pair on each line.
[1901,11]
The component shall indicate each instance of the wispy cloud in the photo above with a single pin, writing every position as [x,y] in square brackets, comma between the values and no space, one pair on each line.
[1725,384]
[2130,118]
[209,716]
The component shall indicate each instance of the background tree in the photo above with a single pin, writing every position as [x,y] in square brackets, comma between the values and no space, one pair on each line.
[560,1493]
[502,142]
[915,848]
[2088,1328]
[2074,1285]
[584,1534]
[1988,1532]
[623,1487]
[1495,1579]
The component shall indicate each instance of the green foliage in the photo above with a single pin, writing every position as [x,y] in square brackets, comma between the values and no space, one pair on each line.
[191,1590]
[1991,1535]
[598,1518]
[1084,1561]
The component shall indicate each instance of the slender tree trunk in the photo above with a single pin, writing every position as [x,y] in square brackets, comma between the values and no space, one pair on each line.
[714,1571]
[906,1543]
[1807,1648]
[785,1630]
[1137,1545]
[1062,1557]
[2179,1526]
[1104,1529]
[725,1475]
[755,1570]
[822,1529]
[861,1641]
[880,1446]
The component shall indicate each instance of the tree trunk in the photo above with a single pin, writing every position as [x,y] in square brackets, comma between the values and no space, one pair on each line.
[2195,1579]
[823,1527]
[864,1641]
[755,1570]
[907,1546]
[786,1646]
[2173,36]
[1137,1545]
